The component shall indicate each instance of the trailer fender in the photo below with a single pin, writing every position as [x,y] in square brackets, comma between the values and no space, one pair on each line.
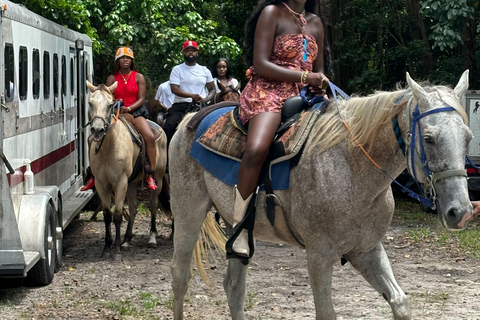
[32,217]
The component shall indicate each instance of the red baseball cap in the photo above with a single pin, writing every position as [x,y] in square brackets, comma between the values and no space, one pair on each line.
[190,44]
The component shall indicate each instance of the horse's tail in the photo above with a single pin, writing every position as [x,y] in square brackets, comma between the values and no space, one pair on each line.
[211,234]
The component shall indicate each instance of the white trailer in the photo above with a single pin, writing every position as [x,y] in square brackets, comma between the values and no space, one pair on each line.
[43,114]
[471,104]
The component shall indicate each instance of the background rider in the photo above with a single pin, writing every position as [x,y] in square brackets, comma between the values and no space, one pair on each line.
[189,82]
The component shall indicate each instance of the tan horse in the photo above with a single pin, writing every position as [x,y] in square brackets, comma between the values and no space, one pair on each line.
[112,156]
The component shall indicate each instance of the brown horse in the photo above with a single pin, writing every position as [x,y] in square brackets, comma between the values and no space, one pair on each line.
[226,94]
[113,156]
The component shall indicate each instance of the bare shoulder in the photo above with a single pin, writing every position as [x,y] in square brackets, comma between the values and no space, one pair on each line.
[315,20]
[110,80]
[139,77]
[270,12]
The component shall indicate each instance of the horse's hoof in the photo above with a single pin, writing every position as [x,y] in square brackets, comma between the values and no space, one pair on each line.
[105,255]
[126,246]
[117,257]
[152,244]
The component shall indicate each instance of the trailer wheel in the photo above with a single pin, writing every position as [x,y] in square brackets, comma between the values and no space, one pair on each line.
[59,237]
[43,271]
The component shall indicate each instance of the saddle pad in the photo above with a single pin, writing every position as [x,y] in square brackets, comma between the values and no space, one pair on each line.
[224,138]
[135,134]
[226,168]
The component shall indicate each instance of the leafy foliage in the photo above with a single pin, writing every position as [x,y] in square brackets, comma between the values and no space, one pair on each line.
[373,42]
[448,21]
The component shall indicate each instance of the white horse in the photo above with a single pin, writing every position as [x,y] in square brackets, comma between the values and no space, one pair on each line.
[339,204]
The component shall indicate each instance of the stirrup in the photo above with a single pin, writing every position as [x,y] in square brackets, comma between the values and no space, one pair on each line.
[89,185]
[152,185]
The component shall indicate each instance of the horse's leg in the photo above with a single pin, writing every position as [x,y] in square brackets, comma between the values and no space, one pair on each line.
[376,269]
[107,218]
[320,268]
[189,216]
[105,197]
[120,192]
[152,242]
[234,285]
[132,210]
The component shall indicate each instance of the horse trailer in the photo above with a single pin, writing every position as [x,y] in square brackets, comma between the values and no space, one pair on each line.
[471,104]
[42,141]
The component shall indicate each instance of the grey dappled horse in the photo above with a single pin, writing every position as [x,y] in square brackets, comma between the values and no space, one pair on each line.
[113,165]
[339,204]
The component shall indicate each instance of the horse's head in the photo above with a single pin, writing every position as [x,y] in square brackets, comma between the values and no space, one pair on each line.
[228,93]
[101,101]
[437,147]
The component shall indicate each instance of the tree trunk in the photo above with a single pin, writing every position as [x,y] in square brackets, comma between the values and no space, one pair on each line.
[468,50]
[417,30]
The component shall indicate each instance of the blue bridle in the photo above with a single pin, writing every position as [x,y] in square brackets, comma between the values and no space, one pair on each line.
[430,177]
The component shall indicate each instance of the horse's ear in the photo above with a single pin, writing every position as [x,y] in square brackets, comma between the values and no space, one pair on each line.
[91,86]
[417,90]
[221,86]
[462,85]
[113,87]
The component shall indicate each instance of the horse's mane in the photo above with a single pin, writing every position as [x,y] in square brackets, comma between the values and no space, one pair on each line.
[366,116]
[103,87]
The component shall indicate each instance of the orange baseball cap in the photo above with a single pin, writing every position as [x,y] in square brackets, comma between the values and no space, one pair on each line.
[123,51]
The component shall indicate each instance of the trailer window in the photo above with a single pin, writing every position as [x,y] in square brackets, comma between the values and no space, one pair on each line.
[23,73]
[36,73]
[64,75]
[55,75]
[9,72]
[72,82]
[46,74]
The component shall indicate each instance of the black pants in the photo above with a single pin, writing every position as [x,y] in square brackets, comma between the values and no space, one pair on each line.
[173,118]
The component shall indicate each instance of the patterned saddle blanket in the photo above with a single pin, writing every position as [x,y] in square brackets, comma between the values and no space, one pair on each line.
[220,142]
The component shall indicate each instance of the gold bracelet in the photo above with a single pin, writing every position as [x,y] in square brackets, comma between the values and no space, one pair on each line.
[303,78]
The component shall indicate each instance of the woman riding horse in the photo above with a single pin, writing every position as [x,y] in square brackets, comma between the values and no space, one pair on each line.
[284,42]
[221,72]
[131,92]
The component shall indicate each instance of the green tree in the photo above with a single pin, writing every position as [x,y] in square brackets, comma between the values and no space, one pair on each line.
[155,29]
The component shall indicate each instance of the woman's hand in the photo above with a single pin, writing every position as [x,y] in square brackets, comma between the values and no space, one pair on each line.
[125,110]
[318,82]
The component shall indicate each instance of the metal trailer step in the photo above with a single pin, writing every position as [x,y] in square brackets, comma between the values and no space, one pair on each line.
[74,204]
[19,269]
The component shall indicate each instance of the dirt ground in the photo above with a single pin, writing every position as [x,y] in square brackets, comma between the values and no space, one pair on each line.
[441,282]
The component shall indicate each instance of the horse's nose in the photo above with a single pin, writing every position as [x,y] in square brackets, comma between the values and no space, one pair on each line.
[457,218]
[97,132]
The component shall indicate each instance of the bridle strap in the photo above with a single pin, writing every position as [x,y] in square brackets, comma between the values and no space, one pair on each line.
[109,124]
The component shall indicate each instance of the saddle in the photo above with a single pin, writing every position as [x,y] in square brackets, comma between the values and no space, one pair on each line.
[220,142]
[227,135]
[141,164]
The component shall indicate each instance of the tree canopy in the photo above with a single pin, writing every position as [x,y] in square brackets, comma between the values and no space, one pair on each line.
[372,43]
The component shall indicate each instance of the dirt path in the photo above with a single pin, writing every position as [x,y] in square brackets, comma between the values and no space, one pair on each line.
[441,282]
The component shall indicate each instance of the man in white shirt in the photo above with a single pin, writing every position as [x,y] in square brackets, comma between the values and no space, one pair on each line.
[190,82]
[164,95]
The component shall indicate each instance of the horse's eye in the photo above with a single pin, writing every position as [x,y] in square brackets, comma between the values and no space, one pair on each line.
[428,139]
